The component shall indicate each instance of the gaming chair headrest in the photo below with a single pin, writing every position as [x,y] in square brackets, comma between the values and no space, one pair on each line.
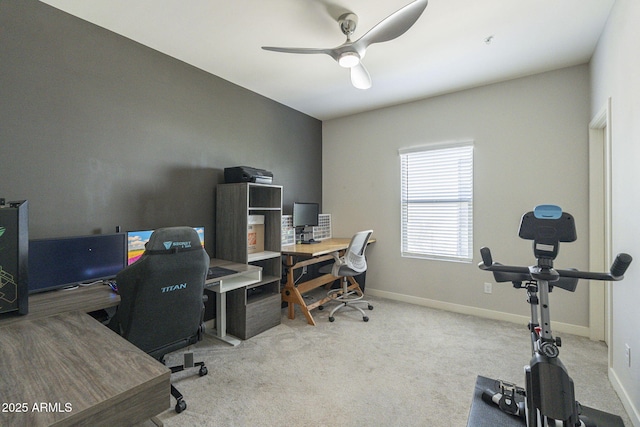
[171,240]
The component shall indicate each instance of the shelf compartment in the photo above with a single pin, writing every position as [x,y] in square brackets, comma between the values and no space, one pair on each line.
[252,311]
[265,280]
[259,256]
[257,307]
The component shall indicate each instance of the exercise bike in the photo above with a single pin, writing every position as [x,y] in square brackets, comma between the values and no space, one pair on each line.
[548,398]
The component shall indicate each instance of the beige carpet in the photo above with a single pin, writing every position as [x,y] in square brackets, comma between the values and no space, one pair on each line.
[408,366]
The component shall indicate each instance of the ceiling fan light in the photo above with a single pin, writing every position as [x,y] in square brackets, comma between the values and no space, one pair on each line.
[349,59]
[361,83]
[360,78]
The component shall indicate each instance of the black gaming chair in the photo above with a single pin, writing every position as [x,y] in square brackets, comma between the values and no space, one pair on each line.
[162,307]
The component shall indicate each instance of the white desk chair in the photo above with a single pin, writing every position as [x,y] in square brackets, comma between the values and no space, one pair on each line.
[353,263]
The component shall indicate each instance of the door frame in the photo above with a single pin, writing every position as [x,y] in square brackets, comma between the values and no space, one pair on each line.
[600,246]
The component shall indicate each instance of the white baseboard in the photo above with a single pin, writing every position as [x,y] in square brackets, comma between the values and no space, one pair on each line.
[475,311]
[632,411]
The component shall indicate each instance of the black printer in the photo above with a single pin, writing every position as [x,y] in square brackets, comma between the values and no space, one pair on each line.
[247,174]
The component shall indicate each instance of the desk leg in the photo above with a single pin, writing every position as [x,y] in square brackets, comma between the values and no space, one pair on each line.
[292,296]
[221,320]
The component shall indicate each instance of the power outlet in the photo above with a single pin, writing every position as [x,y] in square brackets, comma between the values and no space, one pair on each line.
[487,288]
[304,270]
[627,354]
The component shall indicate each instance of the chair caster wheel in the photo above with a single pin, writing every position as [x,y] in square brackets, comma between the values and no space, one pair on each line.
[331,319]
[181,405]
[203,371]
[321,307]
[365,318]
[370,307]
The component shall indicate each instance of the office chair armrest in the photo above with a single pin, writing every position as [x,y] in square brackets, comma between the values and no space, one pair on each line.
[338,262]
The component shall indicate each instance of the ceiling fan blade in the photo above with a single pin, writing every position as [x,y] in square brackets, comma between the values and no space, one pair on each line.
[393,25]
[360,78]
[350,53]
[329,52]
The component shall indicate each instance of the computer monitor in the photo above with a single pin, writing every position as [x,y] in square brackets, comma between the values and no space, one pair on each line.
[305,214]
[61,262]
[137,239]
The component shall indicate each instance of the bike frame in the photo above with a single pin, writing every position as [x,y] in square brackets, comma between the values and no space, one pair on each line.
[549,390]
[550,393]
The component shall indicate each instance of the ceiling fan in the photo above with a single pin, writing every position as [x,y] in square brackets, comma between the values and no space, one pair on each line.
[349,54]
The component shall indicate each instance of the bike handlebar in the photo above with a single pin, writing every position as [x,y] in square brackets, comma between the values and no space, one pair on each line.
[616,272]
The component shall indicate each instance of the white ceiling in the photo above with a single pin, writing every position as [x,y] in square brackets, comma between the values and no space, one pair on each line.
[444,51]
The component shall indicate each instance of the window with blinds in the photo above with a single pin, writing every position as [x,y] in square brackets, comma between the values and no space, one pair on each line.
[437,201]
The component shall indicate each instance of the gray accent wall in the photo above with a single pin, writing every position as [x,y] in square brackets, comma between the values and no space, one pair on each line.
[98,131]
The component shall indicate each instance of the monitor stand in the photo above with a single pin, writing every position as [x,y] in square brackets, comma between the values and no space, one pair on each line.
[301,238]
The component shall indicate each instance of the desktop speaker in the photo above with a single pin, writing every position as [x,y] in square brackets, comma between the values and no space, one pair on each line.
[14,247]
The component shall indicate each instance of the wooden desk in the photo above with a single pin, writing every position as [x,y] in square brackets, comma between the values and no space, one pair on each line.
[311,254]
[84,373]
[59,355]
[246,275]
[85,299]
[69,369]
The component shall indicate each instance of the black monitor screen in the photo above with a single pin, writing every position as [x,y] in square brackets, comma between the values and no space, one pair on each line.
[56,263]
[305,214]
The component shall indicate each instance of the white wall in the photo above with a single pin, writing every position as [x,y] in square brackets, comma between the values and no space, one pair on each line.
[531,147]
[615,71]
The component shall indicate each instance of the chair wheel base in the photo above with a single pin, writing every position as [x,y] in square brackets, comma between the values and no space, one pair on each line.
[365,318]
[181,405]
[331,319]
[370,307]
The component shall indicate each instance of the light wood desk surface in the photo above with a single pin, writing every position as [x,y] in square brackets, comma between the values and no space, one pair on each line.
[308,254]
[324,247]
[82,372]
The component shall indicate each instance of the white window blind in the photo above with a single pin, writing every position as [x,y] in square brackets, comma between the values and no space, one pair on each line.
[437,202]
